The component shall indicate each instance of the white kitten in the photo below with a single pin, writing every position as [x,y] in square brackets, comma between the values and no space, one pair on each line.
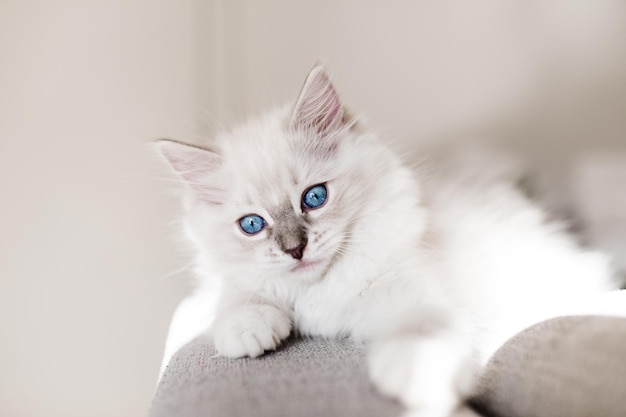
[305,221]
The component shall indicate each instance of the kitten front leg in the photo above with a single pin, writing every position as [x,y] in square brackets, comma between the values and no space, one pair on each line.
[250,330]
[431,374]
[249,327]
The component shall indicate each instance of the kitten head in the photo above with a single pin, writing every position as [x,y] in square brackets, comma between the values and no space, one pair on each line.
[285,196]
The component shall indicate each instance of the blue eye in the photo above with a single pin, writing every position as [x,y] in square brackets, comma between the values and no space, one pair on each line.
[314,197]
[252,224]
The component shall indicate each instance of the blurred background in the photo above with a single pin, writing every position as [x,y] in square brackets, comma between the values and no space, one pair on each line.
[91,267]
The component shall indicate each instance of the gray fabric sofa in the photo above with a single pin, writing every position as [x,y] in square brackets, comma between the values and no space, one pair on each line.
[568,366]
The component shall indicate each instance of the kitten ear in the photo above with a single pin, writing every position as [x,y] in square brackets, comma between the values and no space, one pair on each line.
[195,165]
[318,108]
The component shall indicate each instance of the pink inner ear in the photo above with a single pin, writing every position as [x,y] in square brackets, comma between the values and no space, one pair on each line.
[195,166]
[318,106]
[332,113]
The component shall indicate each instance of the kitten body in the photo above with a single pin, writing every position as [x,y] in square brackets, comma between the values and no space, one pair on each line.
[436,267]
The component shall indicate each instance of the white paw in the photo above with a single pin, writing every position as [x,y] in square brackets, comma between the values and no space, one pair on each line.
[429,375]
[250,330]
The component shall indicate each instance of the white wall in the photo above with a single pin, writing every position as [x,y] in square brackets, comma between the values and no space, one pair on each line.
[85,214]
[420,68]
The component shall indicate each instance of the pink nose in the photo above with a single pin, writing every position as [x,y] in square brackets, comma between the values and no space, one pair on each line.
[298,251]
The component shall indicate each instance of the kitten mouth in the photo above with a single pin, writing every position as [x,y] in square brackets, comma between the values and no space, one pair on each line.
[304,266]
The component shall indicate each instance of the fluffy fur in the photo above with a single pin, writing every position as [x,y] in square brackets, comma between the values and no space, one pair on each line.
[435,269]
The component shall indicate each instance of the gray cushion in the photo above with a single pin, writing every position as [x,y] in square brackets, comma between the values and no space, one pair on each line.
[303,378]
[570,366]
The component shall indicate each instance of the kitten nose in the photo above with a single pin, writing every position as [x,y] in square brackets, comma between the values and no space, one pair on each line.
[298,251]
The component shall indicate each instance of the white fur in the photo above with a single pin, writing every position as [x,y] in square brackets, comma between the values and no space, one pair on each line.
[437,267]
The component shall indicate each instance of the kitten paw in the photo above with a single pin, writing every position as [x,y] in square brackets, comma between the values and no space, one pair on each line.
[431,376]
[250,330]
